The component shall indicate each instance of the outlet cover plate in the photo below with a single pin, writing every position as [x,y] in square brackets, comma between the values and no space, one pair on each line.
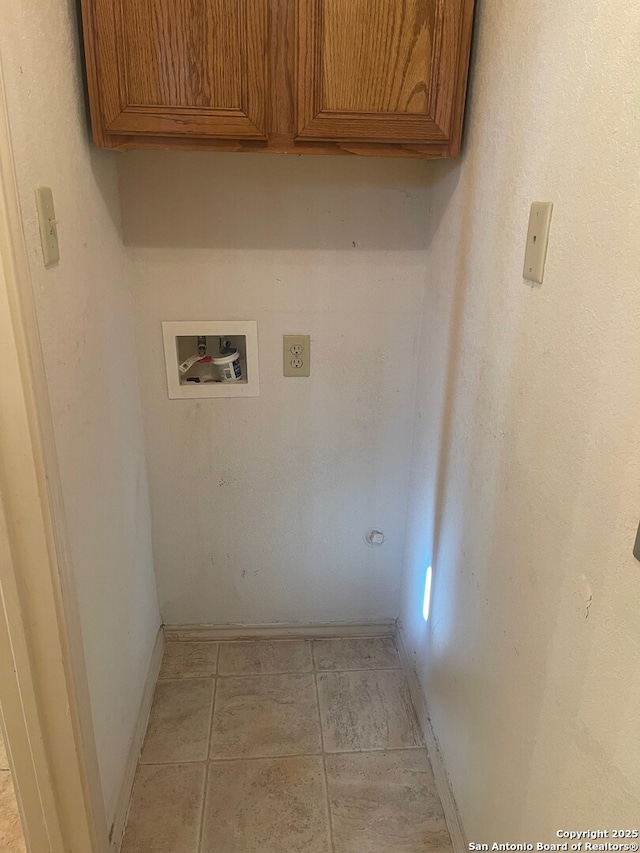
[296,355]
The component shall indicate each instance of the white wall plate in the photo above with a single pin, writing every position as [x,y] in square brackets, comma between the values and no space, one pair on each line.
[179,389]
[535,254]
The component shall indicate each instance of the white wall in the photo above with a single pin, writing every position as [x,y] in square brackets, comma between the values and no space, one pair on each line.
[85,317]
[526,472]
[260,505]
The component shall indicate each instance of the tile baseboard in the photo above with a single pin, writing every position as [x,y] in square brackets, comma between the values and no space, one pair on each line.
[280,631]
[443,783]
[122,808]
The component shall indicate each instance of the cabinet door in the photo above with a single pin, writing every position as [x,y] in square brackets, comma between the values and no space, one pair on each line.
[380,70]
[180,67]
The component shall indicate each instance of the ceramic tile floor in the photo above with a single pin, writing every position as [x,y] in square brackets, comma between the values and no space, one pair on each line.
[284,746]
[11,837]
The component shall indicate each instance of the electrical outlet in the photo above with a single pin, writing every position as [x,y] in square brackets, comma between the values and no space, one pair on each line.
[296,355]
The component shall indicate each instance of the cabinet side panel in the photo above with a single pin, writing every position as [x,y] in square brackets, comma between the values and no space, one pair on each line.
[106,36]
[464,60]
[449,20]
[90,65]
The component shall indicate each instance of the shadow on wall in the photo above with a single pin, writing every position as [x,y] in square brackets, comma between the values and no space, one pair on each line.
[461,573]
[102,167]
[208,200]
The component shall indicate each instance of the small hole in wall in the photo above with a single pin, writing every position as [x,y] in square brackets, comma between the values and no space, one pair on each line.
[534,238]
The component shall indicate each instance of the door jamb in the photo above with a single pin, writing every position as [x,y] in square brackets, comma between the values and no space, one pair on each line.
[43,679]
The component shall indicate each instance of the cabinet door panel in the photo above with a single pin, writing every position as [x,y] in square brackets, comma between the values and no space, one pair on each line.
[379,70]
[185,60]
[183,67]
[391,63]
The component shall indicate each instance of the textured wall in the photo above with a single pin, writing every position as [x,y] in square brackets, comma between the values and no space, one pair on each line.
[526,467]
[260,505]
[85,317]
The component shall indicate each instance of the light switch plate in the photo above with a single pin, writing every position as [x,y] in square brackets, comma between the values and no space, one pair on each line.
[537,240]
[296,355]
[48,226]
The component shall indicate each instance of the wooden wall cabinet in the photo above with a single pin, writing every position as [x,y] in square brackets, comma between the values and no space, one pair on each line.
[377,77]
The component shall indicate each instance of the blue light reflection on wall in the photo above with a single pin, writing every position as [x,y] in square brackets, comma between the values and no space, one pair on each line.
[427,594]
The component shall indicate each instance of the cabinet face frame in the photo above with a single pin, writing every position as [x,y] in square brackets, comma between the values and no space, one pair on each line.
[109,66]
[433,126]
[279,84]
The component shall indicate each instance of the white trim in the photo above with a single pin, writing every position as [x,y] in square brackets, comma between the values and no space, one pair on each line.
[383,628]
[43,680]
[26,759]
[124,799]
[443,783]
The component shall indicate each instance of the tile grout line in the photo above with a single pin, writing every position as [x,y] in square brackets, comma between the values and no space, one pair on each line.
[281,672]
[200,836]
[286,755]
[324,760]
[188,677]
[264,674]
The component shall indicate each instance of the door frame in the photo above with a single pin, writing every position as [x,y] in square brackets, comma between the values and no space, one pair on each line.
[43,680]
